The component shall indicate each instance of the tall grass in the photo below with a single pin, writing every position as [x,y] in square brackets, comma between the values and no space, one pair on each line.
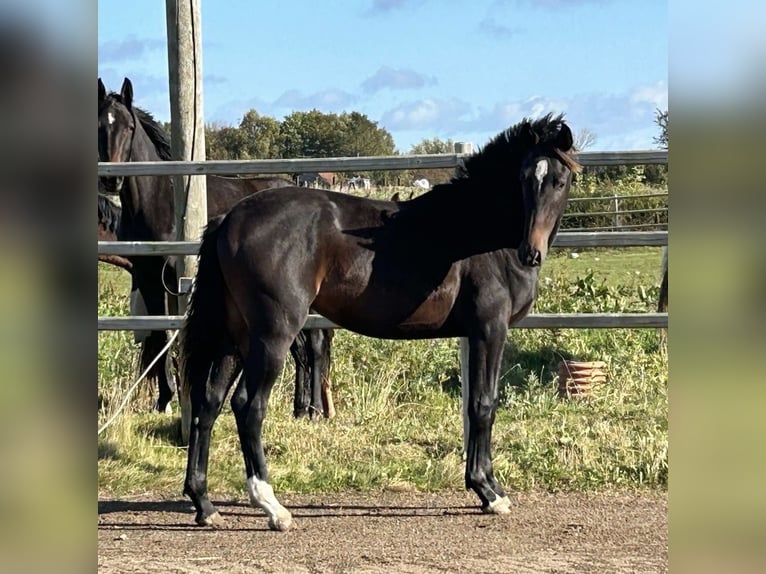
[399,422]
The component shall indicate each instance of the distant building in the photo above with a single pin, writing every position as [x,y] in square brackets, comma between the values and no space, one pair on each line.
[463,147]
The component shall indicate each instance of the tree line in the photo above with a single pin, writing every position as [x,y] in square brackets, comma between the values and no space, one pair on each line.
[318,134]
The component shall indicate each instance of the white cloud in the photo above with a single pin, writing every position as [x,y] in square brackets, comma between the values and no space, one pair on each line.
[655,94]
[619,121]
[131,48]
[426,114]
[326,100]
[396,79]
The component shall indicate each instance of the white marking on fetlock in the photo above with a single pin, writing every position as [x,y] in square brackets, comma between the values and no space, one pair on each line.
[169,378]
[262,496]
[501,505]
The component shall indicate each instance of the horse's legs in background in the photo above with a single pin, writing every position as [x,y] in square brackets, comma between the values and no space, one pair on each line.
[172,304]
[263,362]
[206,401]
[147,275]
[320,341]
[313,395]
[300,353]
[485,355]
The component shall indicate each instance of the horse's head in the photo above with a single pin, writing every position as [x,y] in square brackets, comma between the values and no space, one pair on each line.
[116,128]
[546,175]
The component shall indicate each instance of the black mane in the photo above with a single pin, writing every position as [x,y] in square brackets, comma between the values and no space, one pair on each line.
[155,132]
[109,213]
[505,151]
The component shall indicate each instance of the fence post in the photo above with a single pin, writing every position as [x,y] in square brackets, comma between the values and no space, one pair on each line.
[187,143]
[617,222]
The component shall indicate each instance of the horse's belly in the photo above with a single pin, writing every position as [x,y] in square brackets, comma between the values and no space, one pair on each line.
[387,317]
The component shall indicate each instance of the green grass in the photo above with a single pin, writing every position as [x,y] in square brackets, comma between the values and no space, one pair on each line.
[399,422]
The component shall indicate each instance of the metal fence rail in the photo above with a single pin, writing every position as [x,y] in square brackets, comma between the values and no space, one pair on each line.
[368,163]
[563,240]
[531,321]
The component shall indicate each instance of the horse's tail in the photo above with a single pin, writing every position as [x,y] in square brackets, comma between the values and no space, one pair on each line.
[204,323]
[662,303]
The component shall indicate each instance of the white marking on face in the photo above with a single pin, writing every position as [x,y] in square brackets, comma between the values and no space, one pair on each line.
[541,169]
[110,118]
[262,496]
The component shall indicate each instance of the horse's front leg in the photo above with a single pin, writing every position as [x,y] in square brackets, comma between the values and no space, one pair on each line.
[485,355]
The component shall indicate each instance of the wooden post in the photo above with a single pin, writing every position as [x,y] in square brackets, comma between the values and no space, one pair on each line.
[184,26]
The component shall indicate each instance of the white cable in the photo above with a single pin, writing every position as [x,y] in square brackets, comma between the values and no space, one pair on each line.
[141,378]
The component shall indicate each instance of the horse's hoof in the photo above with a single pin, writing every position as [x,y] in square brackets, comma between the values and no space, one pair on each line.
[281,523]
[501,505]
[215,520]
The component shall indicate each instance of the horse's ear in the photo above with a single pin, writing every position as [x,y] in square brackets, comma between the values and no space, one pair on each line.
[564,139]
[101,91]
[528,135]
[126,93]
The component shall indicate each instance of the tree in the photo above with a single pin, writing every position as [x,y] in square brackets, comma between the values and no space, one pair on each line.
[584,139]
[224,143]
[661,119]
[260,135]
[311,134]
[432,146]
[363,137]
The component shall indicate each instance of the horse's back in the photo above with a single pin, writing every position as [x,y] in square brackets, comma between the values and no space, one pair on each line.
[301,247]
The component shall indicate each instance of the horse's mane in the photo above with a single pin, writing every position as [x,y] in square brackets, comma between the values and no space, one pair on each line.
[155,132]
[505,150]
[153,129]
[109,213]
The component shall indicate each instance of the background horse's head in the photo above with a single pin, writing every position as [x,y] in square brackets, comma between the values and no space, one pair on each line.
[117,124]
[546,175]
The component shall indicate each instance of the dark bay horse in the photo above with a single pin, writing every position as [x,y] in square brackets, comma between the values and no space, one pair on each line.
[127,133]
[461,260]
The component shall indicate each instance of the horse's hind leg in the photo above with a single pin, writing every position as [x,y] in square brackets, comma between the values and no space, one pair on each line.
[206,402]
[265,356]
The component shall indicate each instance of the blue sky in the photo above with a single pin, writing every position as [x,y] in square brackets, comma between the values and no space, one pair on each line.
[420,68]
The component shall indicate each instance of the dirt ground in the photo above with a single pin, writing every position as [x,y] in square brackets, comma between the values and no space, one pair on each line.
[392,532]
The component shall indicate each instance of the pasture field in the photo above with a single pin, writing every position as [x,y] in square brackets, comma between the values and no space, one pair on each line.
[399,425]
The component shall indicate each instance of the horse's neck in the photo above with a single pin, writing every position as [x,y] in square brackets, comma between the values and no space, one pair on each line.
[462,219]
[148,199]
